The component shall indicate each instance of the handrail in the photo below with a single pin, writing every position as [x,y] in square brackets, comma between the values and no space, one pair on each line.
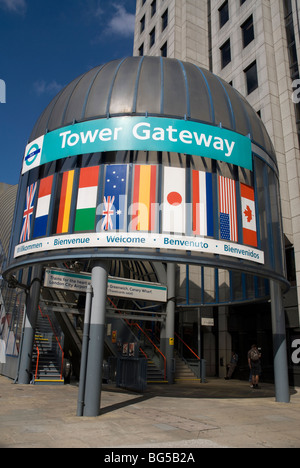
[37,361]
[153,344]
[58,342]
[143,352]
[190,349]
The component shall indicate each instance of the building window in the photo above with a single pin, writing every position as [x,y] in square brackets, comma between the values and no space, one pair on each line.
[242,1]
[224,14]
[290,264]
[164,20]
[143,22]
[164,50]
[143,2]
[152,37]
[292,51]
[225,53]
[251,77]
[153,8]
[248,31]
[141,50]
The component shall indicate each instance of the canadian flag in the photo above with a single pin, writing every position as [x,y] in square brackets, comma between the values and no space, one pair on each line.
[248,215]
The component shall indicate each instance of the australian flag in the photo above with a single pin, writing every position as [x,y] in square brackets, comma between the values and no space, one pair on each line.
[114,200]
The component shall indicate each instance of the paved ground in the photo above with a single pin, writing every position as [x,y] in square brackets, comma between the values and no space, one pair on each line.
[216,414]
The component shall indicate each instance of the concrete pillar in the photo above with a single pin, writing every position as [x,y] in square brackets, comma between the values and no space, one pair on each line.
[85,348]
[279,345]
[93,384]
[224,340]
[170,321]
[31,312]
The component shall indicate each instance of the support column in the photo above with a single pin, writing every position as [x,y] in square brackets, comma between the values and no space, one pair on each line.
[170,321]
[31,312]
[92,394]
[279,345]
[84,352]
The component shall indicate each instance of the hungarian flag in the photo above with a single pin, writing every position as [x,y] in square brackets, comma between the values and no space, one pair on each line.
[203,221]
[227,209]
[144,198]
[115,198]
[85,217]
[43,207]
[174,199]
[65,202]
[248,215]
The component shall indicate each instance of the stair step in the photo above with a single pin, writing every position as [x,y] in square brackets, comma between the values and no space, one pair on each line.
[49,382]
[48,372]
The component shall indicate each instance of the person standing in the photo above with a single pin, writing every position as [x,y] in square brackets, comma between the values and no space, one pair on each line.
[254,363]
[232,365]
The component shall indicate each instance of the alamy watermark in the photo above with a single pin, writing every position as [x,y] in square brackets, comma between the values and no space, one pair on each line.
[2,92]
[296,93]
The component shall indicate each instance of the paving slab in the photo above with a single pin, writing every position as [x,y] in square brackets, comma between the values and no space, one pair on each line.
[216,414]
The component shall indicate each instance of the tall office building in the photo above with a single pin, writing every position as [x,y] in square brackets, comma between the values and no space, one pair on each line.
[255,46]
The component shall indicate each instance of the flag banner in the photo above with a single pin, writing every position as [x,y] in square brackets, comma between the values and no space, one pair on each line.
[43,207]
[248,215]
[174,200]
[202,199]
[87,199]
[28,212]
[144,198]
[115,198]
[65,200]
[227,209]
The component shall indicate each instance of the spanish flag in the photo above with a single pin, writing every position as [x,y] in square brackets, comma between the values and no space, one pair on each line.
[144,198]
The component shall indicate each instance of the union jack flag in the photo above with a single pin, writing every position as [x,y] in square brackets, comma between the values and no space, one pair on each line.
[108,213]
[30,197]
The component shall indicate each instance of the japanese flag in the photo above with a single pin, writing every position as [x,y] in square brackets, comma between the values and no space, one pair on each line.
[174,198]
[248,215]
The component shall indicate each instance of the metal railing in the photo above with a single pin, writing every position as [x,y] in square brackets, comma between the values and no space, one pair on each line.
[57,341]
[154,347]
[187,346]
[147,337]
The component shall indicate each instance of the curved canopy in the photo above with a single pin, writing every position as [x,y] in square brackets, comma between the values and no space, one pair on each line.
[153,86]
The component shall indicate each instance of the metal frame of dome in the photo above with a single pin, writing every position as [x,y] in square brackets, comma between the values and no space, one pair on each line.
[153,86]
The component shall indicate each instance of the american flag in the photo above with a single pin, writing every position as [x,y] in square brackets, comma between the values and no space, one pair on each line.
[108,213]
[227,208]
[30,197]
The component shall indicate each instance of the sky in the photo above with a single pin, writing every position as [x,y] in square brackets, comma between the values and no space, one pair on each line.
[44,45]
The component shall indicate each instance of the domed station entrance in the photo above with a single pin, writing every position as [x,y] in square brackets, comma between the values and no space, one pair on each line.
[148,203]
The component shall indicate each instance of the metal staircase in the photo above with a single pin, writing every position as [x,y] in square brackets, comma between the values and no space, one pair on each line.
[183,372]
[48,356]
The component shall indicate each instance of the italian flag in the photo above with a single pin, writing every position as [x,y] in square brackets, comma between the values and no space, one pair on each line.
[87,199]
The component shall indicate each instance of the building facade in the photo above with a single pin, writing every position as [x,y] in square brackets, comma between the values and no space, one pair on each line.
[254,46]
[165,126]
